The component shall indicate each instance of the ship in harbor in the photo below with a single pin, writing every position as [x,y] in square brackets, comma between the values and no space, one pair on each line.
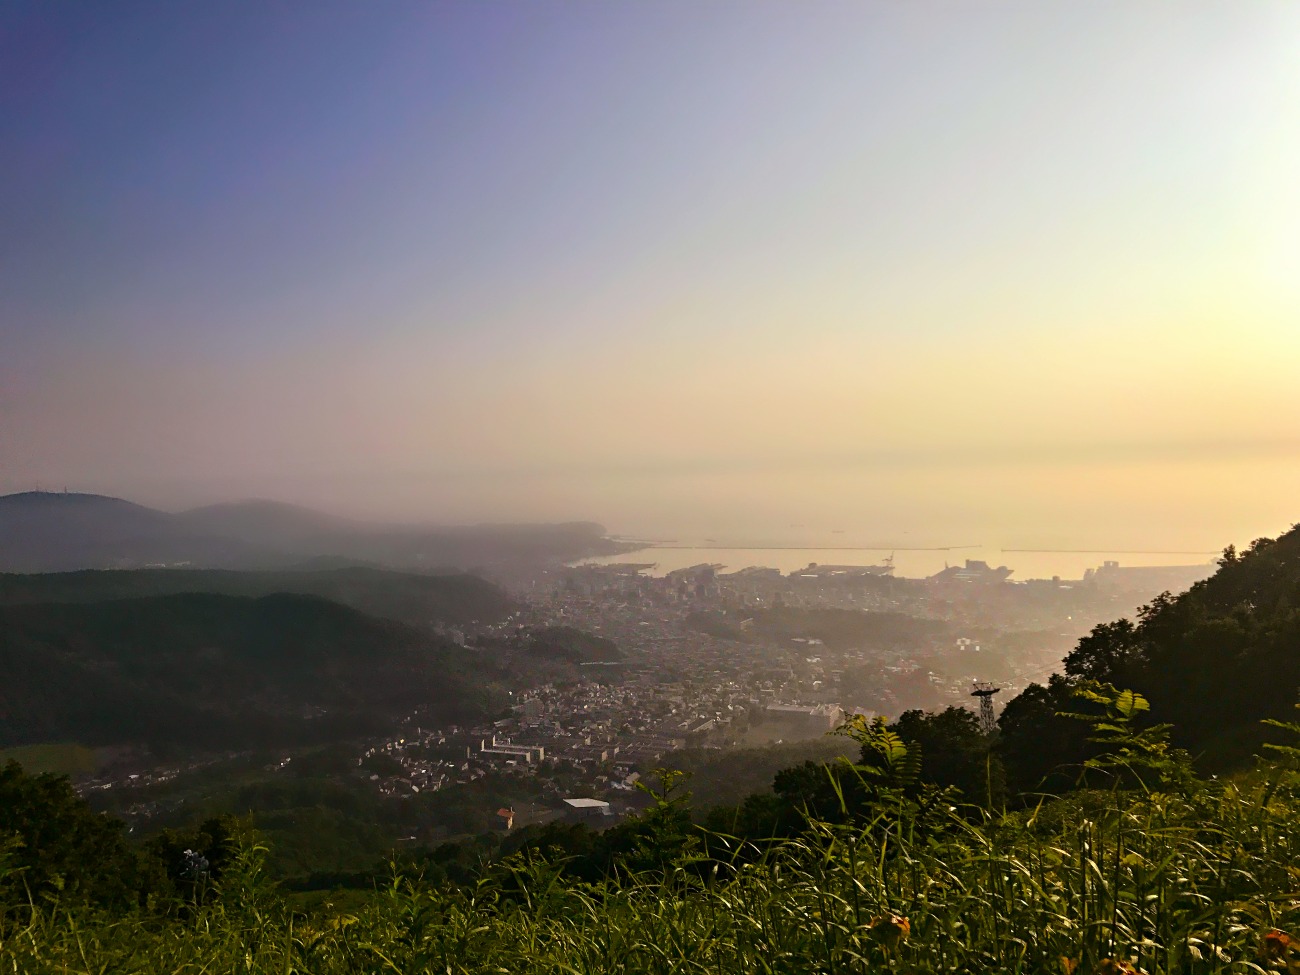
[816,570]
[975,570]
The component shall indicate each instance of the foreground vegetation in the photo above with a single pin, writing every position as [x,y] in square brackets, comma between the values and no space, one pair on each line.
[1159,872]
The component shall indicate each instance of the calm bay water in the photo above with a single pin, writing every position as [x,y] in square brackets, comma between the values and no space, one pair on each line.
[911,564]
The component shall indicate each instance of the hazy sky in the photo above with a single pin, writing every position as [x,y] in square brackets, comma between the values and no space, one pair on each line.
[975,272]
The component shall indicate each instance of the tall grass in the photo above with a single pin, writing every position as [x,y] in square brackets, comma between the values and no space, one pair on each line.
[1190,882]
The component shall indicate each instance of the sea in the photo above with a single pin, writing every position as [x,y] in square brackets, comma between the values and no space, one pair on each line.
[908,563]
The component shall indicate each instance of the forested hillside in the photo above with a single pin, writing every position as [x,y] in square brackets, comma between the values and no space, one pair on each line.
[837,628]
[212,671]
[1214,662]
[418,600]
[570,645]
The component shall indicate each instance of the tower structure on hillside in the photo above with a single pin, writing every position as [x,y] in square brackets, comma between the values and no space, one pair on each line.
[985,691]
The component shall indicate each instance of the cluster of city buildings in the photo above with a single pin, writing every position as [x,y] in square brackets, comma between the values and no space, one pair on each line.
[699,670]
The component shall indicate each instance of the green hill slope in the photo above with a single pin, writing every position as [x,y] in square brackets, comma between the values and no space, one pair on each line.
[1214,662]
[569,644]
[1217,659]
[418,600]
[210,671]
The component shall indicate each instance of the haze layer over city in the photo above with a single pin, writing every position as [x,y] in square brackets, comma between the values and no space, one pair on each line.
[1008,275]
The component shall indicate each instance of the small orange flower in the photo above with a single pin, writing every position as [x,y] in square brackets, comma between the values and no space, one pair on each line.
[1068,965]
[1113,966]
[1277,945]
[1281,949]
[891,929]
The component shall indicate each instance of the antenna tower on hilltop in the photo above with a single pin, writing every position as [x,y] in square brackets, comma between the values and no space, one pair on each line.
[985,691]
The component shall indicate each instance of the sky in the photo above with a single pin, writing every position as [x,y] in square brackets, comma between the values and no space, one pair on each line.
[1015,274]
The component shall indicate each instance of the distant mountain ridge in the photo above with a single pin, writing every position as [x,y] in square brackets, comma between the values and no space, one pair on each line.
[42,531]
[49,532]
